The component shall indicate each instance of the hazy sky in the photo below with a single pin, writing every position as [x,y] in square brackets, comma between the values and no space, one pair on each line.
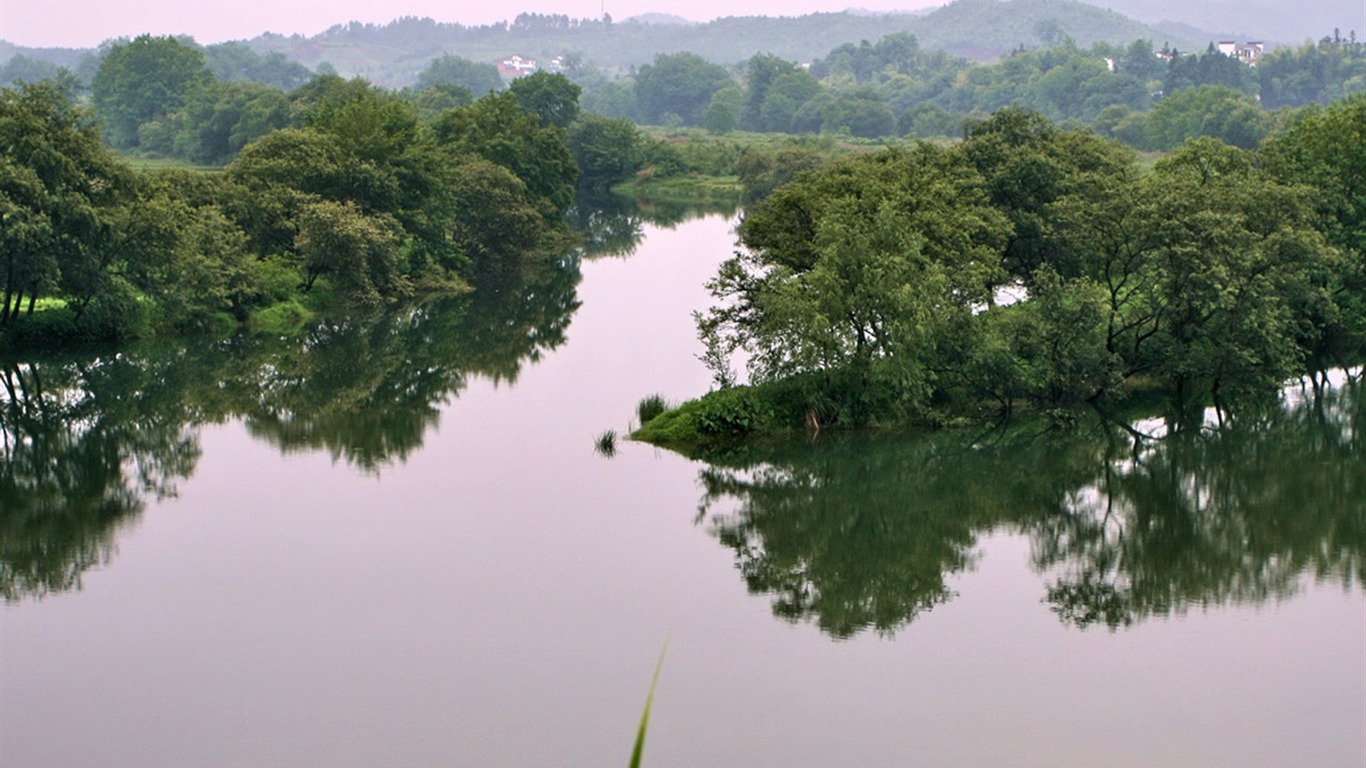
[85,23]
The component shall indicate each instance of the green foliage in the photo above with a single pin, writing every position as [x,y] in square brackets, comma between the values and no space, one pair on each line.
[1210,68]
[862,268]
[606,444]
[60,201]
[499,221]
[476,77]
[762,171]
[731,413]
[1321,72]
[23,69]
[1028,163]
[1049,350]
[358,252]
[723,113]
[357,200]
[867,289]
[497,129]
[551,97]
[285,317]
[219,120]
[680,85]
[143,81]
[237,62]
[607,150]
[192,261]
[650,407]
[1207,110]
[435,99]
[1214,273]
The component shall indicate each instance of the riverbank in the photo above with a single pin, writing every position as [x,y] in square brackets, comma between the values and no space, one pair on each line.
[730,419]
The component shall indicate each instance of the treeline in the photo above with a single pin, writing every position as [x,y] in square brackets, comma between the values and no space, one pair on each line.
[981,29]
[1151,99]
[1034,265]
[335,191]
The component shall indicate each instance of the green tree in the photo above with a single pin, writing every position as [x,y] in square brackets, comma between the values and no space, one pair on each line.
[680,84]
[498,221]
[858,272]
[236,62]
[1208,110]
[1214,275]
[723,113]
[358,252]
[219,120]
[22,69]
[279,173]
[607,150]
[497,129]
[859,113]
[1028,163]
[551,97]
[476,77]
[143,81]
[58,193]
[761,72]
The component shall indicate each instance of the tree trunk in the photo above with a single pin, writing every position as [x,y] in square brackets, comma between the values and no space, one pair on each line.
[18,304]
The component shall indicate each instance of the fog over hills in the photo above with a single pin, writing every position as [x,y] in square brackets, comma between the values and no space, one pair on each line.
[392,54]
[1281,21]
[984,30]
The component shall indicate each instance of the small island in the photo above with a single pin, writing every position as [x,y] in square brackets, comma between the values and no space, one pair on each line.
[1037,267]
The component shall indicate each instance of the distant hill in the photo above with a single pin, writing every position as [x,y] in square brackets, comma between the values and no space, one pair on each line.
[660,18]
[1280,21]
[394,54]
[62,57]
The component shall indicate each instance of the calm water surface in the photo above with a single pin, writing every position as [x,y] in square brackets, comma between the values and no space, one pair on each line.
[391,543]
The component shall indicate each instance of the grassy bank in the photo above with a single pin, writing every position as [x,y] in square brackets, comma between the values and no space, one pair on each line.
[725,420]
[690,189]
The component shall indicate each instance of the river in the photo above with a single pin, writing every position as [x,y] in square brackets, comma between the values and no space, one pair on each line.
[392,543]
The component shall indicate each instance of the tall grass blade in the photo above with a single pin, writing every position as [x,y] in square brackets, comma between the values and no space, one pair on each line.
[645,716]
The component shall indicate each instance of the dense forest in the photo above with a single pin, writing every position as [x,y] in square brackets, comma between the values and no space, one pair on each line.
[1151,99]
[335,192]
[393,54]
[1032,265]
[903,84]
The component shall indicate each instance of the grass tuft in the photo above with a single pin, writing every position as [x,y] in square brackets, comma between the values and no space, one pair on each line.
[651,407]
[606,444]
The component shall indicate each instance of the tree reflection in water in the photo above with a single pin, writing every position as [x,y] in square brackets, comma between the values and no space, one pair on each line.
[861,532]
[85,441]
[614,226]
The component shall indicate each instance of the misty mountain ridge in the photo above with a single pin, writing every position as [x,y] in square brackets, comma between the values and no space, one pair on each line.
[393,54]
[1272,20]
[661,20]
[982,30]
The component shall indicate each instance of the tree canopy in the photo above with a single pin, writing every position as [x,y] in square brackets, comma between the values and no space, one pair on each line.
[143,81]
